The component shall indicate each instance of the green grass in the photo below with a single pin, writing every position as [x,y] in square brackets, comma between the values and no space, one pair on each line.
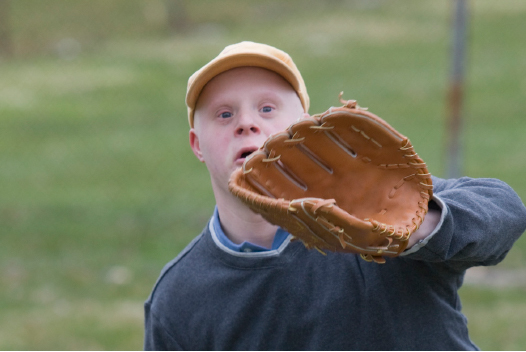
[496,317]
[99,188]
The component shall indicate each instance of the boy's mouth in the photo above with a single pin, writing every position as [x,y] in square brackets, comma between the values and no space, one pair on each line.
[244,153]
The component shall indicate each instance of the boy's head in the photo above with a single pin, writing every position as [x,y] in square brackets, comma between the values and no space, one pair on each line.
[246,54]
[238,100]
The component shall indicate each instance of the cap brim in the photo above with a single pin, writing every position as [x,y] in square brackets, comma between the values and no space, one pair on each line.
[224,64]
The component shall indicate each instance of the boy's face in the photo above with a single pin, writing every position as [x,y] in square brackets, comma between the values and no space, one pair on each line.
[236,112]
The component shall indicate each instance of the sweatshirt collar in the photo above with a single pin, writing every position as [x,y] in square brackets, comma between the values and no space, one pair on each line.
[247,247]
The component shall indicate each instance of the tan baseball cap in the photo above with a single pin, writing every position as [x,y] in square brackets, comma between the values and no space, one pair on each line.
[246,54]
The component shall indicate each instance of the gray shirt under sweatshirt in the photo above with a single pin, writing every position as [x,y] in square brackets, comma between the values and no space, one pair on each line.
[213,298]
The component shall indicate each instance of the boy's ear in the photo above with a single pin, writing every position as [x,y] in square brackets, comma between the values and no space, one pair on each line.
[194,144]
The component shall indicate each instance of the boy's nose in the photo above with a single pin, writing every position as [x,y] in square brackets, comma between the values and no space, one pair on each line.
[246,125]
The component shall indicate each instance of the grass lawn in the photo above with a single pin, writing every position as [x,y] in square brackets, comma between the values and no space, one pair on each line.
[99,188]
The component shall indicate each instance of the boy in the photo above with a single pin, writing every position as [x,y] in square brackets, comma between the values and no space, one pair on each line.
[241,284]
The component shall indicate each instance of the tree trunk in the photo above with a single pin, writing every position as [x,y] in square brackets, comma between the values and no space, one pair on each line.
[6,43]
[178,21]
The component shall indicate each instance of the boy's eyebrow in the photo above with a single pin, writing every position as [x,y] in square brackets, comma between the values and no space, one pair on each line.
[271,95]
[225,100]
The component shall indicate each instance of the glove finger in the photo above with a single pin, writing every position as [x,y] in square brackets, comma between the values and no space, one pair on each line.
[293,166]
[371,138]
[265,171]
[327,163]
[298,161]
[316,144]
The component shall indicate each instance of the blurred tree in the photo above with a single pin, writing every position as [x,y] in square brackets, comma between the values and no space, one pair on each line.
[454,148]
[177,15]
[6,43]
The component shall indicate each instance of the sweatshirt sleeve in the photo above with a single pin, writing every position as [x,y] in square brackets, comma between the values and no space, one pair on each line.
[481,219]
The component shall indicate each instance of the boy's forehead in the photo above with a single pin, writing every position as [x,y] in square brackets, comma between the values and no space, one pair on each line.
[257,76]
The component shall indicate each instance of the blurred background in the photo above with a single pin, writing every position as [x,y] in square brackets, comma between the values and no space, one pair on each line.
[99,188]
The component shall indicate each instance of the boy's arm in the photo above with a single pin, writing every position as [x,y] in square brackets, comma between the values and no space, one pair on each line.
[428,228]
[479,222]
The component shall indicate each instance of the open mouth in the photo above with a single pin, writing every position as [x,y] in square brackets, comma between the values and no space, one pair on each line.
[245,153]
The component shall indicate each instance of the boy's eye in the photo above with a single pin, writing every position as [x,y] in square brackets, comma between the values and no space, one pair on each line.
[225,115]
[266,109]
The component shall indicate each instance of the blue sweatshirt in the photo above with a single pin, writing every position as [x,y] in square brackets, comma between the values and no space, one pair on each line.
[211,297]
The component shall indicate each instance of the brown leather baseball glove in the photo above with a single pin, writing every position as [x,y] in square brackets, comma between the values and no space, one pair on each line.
[344,181]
